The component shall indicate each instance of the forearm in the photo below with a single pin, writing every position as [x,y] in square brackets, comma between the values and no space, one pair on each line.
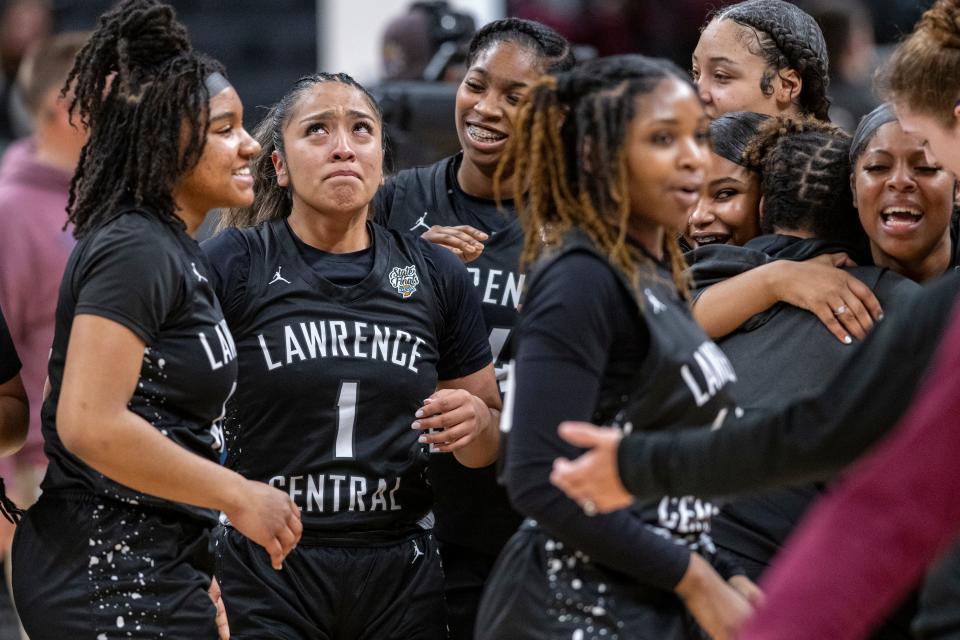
[14,420]
[165,469]
[723,307]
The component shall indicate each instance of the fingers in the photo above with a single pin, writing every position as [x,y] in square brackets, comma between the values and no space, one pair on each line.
[826,314]
[842,308]
[866,297]
[275,551]
[473,232]
[460,239]
[581,434]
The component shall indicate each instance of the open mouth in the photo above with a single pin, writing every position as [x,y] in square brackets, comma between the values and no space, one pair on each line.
[900,218]
[484,135]
[243,173]
[706,240]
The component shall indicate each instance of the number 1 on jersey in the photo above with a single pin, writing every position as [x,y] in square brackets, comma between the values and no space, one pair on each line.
[346,418]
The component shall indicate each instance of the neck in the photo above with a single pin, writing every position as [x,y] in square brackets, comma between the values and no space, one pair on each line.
[191,217]
[333,233]
[793,233]
[933,264]
[478,182]
[53,150]
[649,236]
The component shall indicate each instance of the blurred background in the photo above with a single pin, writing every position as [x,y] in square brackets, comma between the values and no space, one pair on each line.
[410,54]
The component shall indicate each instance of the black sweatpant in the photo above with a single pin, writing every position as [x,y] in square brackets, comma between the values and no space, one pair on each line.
[388,591]
[96,568]
[465,573]
[541,590]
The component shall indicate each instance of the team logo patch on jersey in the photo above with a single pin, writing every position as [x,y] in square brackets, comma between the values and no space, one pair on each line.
[404,280]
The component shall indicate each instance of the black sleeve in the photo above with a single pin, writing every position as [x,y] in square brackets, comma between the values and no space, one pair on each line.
[464,344]
[9,362]
[229,258]
[811,439]
[567,329]
[130,274]
[382,202]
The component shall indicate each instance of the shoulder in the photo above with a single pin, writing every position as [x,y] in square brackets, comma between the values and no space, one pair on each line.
[579,277]
[134,233]
[227,246]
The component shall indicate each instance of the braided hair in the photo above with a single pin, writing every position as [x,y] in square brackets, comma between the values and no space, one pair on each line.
[136,82]
[805,178]
[787,38]
[271,201]
[924,70]
[568,152]
[550,46]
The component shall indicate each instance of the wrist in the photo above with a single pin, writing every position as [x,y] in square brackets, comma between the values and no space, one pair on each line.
[696,578]
[231,494]
[773,280]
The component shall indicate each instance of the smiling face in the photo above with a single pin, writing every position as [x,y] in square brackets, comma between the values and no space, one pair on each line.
[729,75]
[904,199]
[221,177]
[332,156]
[668,146]
[727,213]
[486,108]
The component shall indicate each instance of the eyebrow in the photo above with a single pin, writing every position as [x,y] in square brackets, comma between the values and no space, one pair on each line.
[510,85]
[331,113]
[721,60]
[223,115]
[724,180]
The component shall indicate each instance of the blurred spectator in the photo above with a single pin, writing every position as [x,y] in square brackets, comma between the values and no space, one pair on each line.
[428,42]
[23,23]
[35,178]
[848,30]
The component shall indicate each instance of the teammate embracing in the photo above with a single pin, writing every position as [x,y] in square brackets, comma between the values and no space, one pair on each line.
[347,335]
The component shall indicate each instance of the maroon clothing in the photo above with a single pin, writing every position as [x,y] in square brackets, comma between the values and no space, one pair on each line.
[33,252]
[898,509]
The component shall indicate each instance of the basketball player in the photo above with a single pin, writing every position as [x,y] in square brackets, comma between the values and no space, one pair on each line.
[605,332]
[142,360]
[348,334]
[452,203]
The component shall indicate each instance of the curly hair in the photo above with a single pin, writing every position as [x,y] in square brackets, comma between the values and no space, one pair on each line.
[568,152]
[788,38]
[272,201]
[805,178]
[924,70]
[551,47]
[136,82]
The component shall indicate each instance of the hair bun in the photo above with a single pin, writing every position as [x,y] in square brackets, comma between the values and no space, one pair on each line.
[148,34]
[942,23]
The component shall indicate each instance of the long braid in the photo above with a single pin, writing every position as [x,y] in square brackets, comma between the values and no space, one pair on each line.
[567,154]
[136,83]
[788,38]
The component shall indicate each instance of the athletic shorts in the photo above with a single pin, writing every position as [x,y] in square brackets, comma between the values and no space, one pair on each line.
[542,590]
[92,568]
[388,591]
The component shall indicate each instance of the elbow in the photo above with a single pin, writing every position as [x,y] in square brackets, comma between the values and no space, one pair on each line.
[77,439]
[15,425]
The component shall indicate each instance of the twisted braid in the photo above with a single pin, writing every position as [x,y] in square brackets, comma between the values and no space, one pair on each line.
[271,201]
[553,49]
[805,178]
[788,38]
[568,156]
[136,83]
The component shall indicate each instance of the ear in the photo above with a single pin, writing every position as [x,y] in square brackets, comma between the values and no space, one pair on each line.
[787,88]
[280,166]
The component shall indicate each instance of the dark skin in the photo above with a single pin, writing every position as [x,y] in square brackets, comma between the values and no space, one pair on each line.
[14,415]
[486,107]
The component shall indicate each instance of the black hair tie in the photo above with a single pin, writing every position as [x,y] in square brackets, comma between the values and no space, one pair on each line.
[8,509]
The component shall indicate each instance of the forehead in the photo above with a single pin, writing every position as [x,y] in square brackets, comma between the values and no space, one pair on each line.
[725,39]
[509,61]
[720,168]
[226,100]
[331,97]
[891,137]
[671,99]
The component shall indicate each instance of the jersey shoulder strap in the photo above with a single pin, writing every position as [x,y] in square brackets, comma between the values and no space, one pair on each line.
[420,188]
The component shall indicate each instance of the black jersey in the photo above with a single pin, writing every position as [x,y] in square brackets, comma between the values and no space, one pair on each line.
[472,510]
[416,199]
[9,362]
[588,349]
[330,376]
[151,277]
